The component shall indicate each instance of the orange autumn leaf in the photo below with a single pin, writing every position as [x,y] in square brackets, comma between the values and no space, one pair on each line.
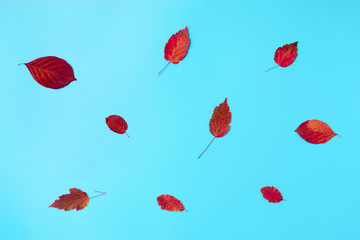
[219,122]
[177,47]
[170,203]
[76,199]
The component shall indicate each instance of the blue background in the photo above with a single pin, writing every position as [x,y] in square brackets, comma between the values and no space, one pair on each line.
[53,140]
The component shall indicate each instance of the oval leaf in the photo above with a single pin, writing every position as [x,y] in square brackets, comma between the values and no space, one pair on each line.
[117,124]
[76,199]
[285,55]
[271,194]
[220,120]
[170,203]
[315,131]
[177,47]
[51,72]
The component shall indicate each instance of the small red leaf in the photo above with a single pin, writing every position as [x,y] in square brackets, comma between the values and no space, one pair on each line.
[117,124]
[76,199]
[177,47]
[51,72]
[285,55]
[315,131]
[219,122]
[271,194]
[170,203]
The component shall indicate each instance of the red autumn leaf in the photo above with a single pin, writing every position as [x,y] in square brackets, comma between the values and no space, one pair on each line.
[170,203]
[315,131]
[51,72]
[285,55]
[271,194]
[177,47]
[76,199]
[219,122]
[117,124]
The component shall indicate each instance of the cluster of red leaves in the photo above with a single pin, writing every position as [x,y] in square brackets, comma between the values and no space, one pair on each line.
[53,72]
[78,200]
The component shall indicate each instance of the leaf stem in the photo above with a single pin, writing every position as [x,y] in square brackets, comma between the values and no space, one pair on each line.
[102,193]
[206,148]
[127,135]
[272,68]
[163,68]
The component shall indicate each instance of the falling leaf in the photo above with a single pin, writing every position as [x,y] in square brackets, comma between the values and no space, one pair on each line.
[315,131]
[177,47]
[51,72]
[76,199]
[117,124]
[170,203]
[285,55]
[271,194]
[219,122]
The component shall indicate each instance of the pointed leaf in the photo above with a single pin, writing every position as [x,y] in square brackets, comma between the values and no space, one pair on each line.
[220,120]
[116,124]
[76,199]
[315,131]
[170,203]
[177,47]
[285,55]
[51,72]
[271,194]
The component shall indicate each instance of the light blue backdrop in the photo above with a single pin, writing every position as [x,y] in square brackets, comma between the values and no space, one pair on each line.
[53,140]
